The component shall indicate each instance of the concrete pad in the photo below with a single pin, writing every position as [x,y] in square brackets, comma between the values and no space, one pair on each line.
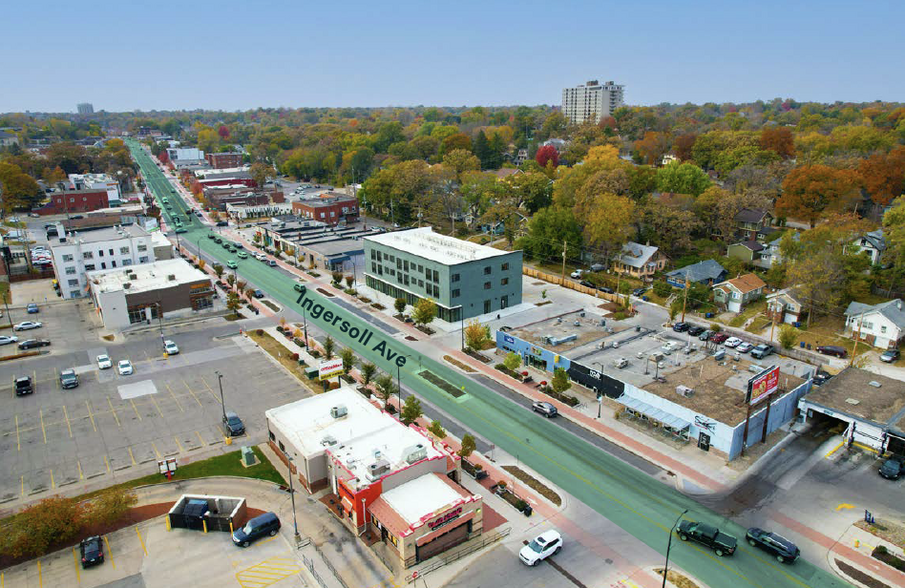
[136,389]
[37,483]
[120,459]
[55,427]
[92,466]
[189,441]
[212,435]
[39,291]
[65,473]
[167,446]
[59,569]
[144,453]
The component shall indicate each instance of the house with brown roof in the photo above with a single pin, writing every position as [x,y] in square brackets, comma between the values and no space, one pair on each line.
[736,293]
[754,225]
[785,307]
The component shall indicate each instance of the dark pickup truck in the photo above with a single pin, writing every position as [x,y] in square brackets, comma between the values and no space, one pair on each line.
[721,543]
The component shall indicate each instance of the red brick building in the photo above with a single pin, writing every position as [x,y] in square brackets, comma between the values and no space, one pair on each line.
[76,201]
[219,197]
[224,160]
[329,208]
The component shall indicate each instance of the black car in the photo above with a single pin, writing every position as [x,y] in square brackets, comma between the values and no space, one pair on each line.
[258,294]
[892,468]
[721,543]
[222,223]
[233,425]
[24,386]
[890,356]
[92,550]
[33,343]
[821,377]
[696,330]
[781,548]
[586,284]
[605,289]
[545,408]
[705,336]
[680,327]
[639,291]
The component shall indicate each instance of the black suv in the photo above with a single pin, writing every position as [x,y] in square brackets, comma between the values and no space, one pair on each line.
[696,330]
[24,386]
[680,327]
[69,379]
[891,468]
[233,425]
[776,545]
[92,550]
[721,543]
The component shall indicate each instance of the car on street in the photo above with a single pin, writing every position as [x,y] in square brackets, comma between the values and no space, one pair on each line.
[680,327]
[271,263]
[181,229]
[242,255]
[34,343]
[24,386]
[732,342]
[833,350]
[232,424]
[32,308]
[892,468]
[719,337]
[545,408]
[890,356]
[222,223]
[762,351]
[27,326]
[696,330]
[170,347]
[124,367]
[576,274]
[706,335]
[542,547]
[744,347]
[258,294]
[211,236]
[92,551]
[708,535]
[298,287]
[231,264]
[104,362]
[776,545]
[69,379]
[7,339]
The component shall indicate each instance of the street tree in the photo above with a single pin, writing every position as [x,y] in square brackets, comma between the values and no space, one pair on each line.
[437,429]
[399,305]
[233,303]
[468,445]
[218,269]
[788,335]
[560,381]
[385,387]
[329,346]
[424,311]
[411,410]
[476,335]
[348,357]
[368,370]
[513,361]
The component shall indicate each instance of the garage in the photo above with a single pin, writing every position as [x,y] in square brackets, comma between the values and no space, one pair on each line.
[443,542]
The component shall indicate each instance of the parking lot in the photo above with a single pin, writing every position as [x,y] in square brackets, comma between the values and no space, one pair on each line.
[113,426]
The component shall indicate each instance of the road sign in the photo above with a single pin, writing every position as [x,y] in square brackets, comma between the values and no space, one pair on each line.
[329,368]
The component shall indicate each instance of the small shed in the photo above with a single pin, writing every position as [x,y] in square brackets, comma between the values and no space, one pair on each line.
[220,513]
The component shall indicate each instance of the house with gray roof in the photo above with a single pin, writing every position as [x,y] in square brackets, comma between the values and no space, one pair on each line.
[639,261]
[881,325]
[707,272]
[872,243]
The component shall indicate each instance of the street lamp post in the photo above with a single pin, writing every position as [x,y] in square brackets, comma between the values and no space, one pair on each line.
[399,381]
[222,405]
[305,322]
[292,497]
[669,544]
[599,397]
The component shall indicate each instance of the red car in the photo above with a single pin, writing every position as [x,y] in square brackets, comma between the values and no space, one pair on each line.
[719,337]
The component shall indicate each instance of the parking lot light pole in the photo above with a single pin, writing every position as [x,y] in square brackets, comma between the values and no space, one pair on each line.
[222,405]
[295,523]
[669,544]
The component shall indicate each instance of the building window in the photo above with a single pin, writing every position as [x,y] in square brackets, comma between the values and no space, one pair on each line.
[405,265]
[142,247]
[420,268]
[67,258]
[420,283]
[70,271]
[100,252]
[111,252]
[455,278]
[126,262]
[487,285]
[487,270]
[398,263]
[486,306]
[883,329]
[505,267]
[87,255]
[504,282]
[73,283]
[436,276]
[143,259]
[455,293]
[124,251]
[89,267]
[282,447]
[373,266]
[271,435]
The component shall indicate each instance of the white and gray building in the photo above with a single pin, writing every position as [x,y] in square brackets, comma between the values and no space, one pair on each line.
[591,101]
[80,252]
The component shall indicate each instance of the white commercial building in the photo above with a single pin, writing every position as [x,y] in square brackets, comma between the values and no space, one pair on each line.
[97,182]
[109,248]
[139,294]
[591,101]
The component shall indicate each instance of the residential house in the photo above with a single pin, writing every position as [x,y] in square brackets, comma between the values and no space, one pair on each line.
[770,254]
[785,307]
[736,293]
[747,251]
[881,325]
[754,225]
[874,243]
[639,261]
[707,272]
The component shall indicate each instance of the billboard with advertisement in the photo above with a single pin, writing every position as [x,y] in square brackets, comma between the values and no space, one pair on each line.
[763,384]
[329,368]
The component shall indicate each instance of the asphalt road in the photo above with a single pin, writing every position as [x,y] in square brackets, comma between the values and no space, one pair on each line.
[639,504]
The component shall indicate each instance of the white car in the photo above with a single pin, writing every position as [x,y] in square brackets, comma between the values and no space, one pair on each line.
[543,546]
[745,347]
[170,347]
[732,342]
[104,362]
[7,339]
[27,326]
[124,367]
[576,274]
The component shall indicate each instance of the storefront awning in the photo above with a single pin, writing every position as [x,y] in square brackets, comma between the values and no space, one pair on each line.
[654,413]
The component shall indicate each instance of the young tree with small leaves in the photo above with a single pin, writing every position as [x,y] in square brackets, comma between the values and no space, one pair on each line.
[424,312]
[399,305]
[367,373]
[385,387]
[437,429]
[329,346]
[561,381]
[411,410]
[348,357]
[468,445]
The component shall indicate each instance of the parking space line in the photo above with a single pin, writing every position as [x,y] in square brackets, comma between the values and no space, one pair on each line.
[200,438]
[113,410]
[159,457]
[109,552]
[210,390]
[18,441]
[91,416]
[107,463]
[135,408]
[137,532]
[192,392]
[131,455]
[78,573]
[179,404]
[53,483]
[157,406]
[178,444]
[43,430]
[68,425]
[81,475]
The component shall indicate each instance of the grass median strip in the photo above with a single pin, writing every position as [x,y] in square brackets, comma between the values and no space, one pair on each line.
[459,364]
[441,383]
[533,483]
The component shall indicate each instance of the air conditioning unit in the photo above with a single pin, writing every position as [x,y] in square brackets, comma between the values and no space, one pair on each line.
[339,411]
[328,441]
[378,468]
[415,453]
[684,391]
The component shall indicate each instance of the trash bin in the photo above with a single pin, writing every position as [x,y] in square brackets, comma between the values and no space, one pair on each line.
[527,511]
[801,344]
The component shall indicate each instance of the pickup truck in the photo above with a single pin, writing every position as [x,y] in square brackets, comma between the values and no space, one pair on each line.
[721,543]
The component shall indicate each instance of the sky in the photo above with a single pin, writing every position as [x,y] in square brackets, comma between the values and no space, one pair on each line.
[231,55]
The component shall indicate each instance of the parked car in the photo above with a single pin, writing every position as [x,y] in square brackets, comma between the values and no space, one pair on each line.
[271,263]
[639,291]
[24,386]
[265,524]
[587,284]
[706,335]
[545,408]
[7,339]
[223,223]
[124,367]
[776,545]
[892,468]
[69,379]
[890,356]
[576,274]
[833,350]
[605,289]
[258,294]
[696,330]
[680,327]
[242,255]
[34,343]
[92,550]
[732,342]
[719,337]
[721,543]
[170,347]
[762,351]
[744,347]
[103,362]
[232,424]
[598,267]
[542,547]
[821,377]
[27,326]
[231,264]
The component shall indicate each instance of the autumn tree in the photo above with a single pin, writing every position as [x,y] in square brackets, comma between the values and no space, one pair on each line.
[684,178]
[17,189]
[778,139]
[512,361]
[682,146]
[811,191]
[223,131]
[529,190]
[111,505]
[455,141]
[653,147]
[883,175]
[476,335]
[788,335]
[40,526]
[545,154]
[261,172]
[424,311]
[607,220]
[233,303]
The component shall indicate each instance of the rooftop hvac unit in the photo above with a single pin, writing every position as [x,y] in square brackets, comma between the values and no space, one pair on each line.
[378,468]
[171,277]
[339,411]
[415,453]
[328,441]
[684,391]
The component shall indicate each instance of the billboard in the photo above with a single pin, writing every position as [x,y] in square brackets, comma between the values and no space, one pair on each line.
[763,384]
[329,368]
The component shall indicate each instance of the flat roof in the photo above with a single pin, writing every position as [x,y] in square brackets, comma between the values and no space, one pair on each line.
[337,247]
[851,392]
[423,242]
[103,234]
[546,332]
[424,496]
[147,276]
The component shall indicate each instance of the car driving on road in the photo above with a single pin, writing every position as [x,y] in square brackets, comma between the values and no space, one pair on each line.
[776,545]
[170,347]
[721,543]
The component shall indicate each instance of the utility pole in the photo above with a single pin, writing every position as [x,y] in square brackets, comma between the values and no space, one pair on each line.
[685,297]
[564,261]
[851,361]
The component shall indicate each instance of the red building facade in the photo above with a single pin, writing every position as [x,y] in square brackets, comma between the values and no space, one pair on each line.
[76,201]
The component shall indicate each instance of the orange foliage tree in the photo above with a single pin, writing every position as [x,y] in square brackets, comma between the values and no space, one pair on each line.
[810,191]
[652,147]
[778,139]
[883,175]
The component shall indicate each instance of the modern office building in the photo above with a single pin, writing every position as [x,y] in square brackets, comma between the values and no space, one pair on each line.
[591,101]
[463,278]
[85,108]
[80,252]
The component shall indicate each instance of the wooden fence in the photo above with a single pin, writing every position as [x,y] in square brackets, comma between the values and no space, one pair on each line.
[572,285]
